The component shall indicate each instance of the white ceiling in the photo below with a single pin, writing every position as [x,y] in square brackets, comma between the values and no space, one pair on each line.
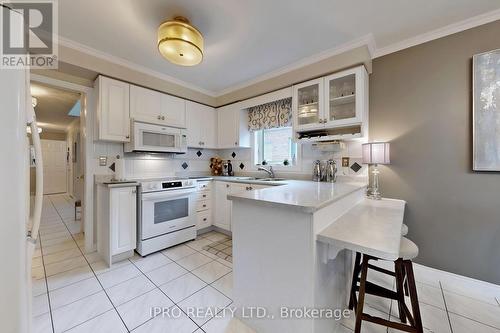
[245,39]
[53,105]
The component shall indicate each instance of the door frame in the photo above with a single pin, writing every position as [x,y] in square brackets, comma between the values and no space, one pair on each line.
[87,137]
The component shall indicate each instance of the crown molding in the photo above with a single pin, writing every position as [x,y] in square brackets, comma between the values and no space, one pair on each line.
[126,63]
[439,33]
[366,40]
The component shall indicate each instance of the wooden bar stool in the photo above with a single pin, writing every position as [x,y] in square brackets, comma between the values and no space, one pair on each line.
[403,273]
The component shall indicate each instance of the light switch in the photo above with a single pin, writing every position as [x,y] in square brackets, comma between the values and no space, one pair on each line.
[345,162]
[103,160]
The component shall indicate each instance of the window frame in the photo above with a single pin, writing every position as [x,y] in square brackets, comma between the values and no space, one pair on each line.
[256,151]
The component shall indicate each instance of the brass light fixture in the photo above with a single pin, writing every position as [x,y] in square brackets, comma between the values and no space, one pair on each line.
[179,42]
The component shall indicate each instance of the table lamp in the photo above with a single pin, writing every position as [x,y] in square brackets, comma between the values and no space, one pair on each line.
[375,153]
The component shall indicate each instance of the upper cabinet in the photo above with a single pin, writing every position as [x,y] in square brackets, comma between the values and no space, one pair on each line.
[154,107]
[336,104]
[232,127]
[201,121]
[113,112]
[173,111]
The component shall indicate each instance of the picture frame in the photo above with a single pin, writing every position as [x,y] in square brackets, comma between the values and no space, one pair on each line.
[486,111]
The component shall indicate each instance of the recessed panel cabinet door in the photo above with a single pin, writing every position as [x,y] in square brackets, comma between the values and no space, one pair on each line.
[173,111]
[145,104]
[123,219]
[113,110]
[201,122]
[222,205]
[228,123]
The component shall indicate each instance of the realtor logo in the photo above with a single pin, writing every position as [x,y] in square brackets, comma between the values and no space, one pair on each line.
[29,34]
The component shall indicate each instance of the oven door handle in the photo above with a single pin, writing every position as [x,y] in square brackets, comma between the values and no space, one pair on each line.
[153,196]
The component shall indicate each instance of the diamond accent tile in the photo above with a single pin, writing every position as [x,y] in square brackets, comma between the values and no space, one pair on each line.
[184,165]
[242,166]
[233,154]
[199,153]
[355,167]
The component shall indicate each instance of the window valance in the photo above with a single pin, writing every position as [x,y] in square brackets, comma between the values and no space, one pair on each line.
[270,115]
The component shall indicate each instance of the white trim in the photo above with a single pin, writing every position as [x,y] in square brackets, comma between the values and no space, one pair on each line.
[126,63]
[439,33]
[267,98]
[60,83]
[366,40]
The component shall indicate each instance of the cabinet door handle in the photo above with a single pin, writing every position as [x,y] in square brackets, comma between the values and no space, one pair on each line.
[236,143]
[204,195]
[204,206]
[159,117]
[128,137]
[204,219]
[250,188]
[227,185]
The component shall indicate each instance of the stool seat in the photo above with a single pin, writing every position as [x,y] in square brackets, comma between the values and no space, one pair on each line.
[404,230]
[408,250]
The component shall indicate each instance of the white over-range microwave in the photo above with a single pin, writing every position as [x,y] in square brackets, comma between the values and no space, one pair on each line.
[156,138]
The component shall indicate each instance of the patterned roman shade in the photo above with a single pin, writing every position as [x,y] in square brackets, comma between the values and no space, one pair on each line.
[270,115]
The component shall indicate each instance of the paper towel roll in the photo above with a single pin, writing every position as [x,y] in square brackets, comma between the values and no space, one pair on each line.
[120,169]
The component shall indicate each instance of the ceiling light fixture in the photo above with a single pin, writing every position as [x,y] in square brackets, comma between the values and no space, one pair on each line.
[179,42]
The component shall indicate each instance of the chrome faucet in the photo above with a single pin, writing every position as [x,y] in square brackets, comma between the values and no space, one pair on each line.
[269,171]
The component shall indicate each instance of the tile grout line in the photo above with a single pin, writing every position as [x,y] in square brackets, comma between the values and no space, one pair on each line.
[46,287]
[95,275]
[157,287]
[446,307]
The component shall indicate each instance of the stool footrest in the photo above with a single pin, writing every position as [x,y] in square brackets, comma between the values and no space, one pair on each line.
[388,323]
[381,270]
[377,290]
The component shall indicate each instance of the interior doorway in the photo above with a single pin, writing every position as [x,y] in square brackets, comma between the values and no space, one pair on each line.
[55,161]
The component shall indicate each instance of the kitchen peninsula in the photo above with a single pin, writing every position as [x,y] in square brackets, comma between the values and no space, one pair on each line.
[287,252]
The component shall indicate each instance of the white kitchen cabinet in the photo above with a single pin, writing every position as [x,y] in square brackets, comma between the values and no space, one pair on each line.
[232,127]
[117,221]
[201,123]
[157,108]
[204,205]
[113,110]
[173,111]
[223,206]
[335,102]
[145,104]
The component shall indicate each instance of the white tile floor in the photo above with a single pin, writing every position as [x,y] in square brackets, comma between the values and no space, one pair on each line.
[76,292]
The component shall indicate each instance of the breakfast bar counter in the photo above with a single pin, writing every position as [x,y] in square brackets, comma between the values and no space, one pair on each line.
[293,246]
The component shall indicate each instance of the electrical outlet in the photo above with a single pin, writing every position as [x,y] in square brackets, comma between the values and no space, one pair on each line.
[103,160]
[345,162]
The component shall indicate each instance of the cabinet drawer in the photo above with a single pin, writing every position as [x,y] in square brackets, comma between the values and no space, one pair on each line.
[203,195]
[204,219]
[204,186]
[203,205]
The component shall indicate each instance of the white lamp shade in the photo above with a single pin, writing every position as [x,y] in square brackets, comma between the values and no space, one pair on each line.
[376,153]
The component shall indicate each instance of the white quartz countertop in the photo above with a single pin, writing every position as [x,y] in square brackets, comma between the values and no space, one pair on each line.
[371,227]
[308,196]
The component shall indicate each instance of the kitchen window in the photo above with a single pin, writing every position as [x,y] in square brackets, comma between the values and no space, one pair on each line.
[275,146]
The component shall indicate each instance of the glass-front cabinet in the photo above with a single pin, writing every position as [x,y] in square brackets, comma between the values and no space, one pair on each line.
[334,101]
[307,102]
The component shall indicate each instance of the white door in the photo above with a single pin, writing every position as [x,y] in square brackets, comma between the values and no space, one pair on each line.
[54,166]
[123,219]
[114,110]
[173,111]
[209,128]
[228,123]
[222,205]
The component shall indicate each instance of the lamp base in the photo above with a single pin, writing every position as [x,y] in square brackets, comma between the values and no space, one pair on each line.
[373,193]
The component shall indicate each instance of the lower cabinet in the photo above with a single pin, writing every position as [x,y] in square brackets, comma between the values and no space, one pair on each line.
[204,205]
[116,221]
[223,206]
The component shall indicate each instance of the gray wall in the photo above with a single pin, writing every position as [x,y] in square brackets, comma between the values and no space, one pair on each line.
[420,100]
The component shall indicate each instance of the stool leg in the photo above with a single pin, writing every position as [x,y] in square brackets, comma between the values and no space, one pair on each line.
[398,269]
[413,296]
[361,299]
[357,267]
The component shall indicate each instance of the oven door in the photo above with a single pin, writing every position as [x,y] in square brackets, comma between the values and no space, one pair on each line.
[167,211]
